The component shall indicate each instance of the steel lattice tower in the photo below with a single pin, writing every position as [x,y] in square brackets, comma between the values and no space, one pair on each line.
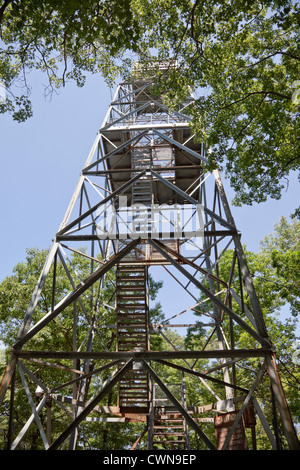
[144,172]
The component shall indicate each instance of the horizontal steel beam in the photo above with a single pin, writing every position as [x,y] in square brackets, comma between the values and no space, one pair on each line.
[91,237]
[133,170]
[140,127]
[147,355]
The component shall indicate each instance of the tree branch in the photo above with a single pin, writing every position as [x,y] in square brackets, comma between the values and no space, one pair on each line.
[2,9]
[272,55]
[65,58]
[289,55]
[265,93]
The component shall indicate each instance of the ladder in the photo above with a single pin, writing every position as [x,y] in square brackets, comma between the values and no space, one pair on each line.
[133,335]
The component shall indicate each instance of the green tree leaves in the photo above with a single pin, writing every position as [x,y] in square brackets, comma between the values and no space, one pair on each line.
[282,249]
[242,59]
[62,39]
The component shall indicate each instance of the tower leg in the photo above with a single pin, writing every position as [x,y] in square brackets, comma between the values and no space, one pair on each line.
[286,420]
[287,423]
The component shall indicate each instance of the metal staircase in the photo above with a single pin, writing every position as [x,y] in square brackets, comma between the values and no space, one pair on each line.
[142,190]
[132,334]
[132,304]
[169,432]
[169,428]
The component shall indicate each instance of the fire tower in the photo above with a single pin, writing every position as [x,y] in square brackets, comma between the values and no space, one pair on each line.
[144,200]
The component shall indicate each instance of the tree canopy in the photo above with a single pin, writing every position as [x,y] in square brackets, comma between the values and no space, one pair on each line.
[61,39]
[241,58]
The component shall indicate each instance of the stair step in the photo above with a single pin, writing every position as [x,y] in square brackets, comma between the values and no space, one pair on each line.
[142,192]
[137,321]
[133,336]
[125,319]
[137,377]
[168,427]
[144,184]
[135,332]
[131,274]
[126,268]
[131,306]
[134,276]
[137,287]
[131,297]
[131,316]
[143,394]
[169,442]
[170,420]
[140,382]
[132,400]
[133,380]
[129,269]
[135,340]
[132,389]
[131,328]
[141,389]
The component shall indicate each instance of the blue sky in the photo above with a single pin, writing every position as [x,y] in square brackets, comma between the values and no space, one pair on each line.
[41,161]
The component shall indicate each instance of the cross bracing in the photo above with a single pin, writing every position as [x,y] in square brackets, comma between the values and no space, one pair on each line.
[144,199]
